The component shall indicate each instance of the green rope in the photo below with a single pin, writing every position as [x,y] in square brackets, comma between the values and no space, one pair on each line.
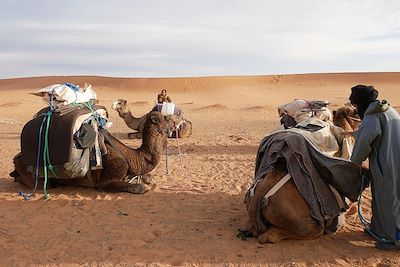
[89,105]
[47,166]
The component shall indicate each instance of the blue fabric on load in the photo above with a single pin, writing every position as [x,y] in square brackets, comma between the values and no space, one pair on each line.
[397,234]
[73,86]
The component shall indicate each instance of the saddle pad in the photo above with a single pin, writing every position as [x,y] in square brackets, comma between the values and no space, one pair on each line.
[60,137]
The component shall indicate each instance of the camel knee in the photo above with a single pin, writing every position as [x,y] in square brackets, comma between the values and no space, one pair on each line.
[120,186]
[308,229]
[273,235]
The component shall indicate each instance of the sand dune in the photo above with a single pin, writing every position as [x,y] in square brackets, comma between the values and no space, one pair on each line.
[192,215]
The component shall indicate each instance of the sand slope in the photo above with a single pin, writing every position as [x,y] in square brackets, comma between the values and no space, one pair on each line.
[192,216]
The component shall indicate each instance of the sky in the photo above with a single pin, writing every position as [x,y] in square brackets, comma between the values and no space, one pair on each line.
[187,38]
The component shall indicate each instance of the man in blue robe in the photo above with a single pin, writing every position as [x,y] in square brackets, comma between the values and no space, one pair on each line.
[378,139]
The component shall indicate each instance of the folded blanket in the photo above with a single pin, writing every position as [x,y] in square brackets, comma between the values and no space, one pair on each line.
[312,171]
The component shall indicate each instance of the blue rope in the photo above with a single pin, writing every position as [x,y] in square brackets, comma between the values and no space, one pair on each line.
[30,195]
[364,222]
[74,87]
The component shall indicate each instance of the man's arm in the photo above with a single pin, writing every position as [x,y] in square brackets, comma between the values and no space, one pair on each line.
[366,135]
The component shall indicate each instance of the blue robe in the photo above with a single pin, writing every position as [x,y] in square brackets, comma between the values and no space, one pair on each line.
[378,139]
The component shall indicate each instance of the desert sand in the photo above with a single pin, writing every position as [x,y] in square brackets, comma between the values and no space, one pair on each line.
[192,216]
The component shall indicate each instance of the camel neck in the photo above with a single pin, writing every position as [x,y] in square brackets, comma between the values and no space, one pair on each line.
[146,157]
[125,115]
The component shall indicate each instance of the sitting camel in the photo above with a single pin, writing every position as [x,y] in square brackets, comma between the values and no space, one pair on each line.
[346,118]
[183,126]
[120,161]
[276,207]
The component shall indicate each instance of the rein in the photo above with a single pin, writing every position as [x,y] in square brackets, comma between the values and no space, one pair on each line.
[180,154]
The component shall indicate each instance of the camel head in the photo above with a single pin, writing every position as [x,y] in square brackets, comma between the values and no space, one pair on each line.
[120,105]
[346,117]
[180,125]
[157,122]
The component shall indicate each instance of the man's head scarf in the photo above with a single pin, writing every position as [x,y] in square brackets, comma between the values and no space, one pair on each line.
[361,96]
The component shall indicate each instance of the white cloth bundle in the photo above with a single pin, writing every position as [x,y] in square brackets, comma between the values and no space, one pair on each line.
[65,94]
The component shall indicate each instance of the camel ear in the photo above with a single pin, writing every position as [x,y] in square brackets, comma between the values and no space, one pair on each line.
[155,119]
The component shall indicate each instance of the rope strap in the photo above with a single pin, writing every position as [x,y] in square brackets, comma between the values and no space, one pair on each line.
[276,187]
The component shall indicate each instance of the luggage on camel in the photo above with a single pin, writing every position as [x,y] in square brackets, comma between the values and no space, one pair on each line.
[299,110]
[62,140]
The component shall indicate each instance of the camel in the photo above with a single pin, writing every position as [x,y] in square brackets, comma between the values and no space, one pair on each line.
[120,161]
[346,117]
[183,126]
[132,122]
[286,214]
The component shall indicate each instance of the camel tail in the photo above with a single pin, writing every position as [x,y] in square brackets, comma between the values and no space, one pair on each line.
[254,205]
[255,223]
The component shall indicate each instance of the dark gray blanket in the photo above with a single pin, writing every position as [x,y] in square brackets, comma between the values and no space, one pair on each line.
[60,136]
[311,170]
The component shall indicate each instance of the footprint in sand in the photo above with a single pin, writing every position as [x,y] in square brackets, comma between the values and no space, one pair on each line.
[186,104]
[8,121]
[213,107]
[11,104]
[255,109]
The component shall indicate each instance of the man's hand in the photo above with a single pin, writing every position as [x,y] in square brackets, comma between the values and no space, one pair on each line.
[348,133]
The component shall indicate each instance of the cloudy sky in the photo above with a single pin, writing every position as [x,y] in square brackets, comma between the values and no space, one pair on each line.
[174,38]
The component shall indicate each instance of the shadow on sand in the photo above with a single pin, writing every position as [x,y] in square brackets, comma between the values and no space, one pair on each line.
[82,225]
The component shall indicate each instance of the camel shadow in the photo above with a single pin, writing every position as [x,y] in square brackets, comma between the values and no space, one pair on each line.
[157,227]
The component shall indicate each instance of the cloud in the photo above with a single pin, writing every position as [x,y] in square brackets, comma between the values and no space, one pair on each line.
[195,38]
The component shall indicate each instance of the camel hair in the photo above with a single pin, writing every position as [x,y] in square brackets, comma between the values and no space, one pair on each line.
[120,161]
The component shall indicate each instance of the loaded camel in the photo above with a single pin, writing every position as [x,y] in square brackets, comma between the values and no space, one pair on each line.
[182,126]
[285,214]
[120,161]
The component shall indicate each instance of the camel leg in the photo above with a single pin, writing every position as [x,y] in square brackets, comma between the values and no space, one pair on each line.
[272,235]
[288,214]
[309,229]
[120,186]
[147,179]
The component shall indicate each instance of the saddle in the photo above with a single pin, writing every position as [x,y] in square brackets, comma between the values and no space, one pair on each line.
[60,136]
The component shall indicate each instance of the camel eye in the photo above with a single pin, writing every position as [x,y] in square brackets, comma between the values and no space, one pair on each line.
[154,119]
